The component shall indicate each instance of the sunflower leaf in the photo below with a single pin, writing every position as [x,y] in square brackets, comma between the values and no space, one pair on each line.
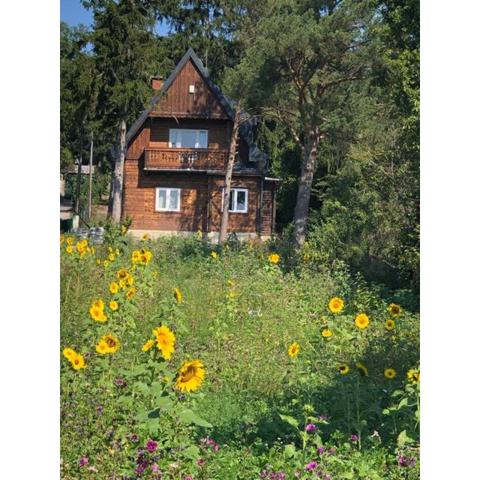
[290,420]
[188,416]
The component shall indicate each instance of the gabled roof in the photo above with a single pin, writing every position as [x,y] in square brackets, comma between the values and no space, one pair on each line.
[246,128]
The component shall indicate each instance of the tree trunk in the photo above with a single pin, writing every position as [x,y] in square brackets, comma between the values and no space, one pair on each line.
[117,180]
[228,175]
[305,188]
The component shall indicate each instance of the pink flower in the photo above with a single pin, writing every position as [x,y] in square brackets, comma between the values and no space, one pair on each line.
[151,446]
[311,466]
[83,461]
[310,427]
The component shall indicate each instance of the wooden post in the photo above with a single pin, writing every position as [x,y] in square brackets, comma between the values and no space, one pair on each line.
[90,179]
[228,175]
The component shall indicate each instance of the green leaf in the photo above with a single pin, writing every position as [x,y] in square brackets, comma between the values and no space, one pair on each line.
[188,416]
[192,452]
[403,439]
[142,388]
[289,451]
[290,420]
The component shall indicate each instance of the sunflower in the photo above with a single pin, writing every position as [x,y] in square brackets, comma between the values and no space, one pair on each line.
[413,376]
[390,373]
[131,293]
[362,369]
[390,324]
[102,347]
[111,257]
[78,362]
[122,274]
[165,341]
[69,241]
[274,258]
[69,353]
[114,287]
[214,255]
[190,376]
[129,280]
[146,236]
[148,345]
[106,263]
[394,309]
[81,246]
[97,312]
[327,333]
[136,256]
[343,369]
[293,349]
[69,249]
[177,294]
[113,305]
[108,344]
[62,239]
[361,321]
[335,305]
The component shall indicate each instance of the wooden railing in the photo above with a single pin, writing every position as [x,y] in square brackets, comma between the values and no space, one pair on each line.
[185,158]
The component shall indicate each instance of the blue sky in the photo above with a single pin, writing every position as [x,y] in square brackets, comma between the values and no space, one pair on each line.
[72,12]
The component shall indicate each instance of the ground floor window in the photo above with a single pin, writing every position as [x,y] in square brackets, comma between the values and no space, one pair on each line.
[167,199]
[238,200]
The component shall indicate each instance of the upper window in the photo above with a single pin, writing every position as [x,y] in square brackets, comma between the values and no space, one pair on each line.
[188,138]
[167,200]
[238,200]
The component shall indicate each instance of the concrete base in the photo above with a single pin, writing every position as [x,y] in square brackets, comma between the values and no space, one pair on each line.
[211,236]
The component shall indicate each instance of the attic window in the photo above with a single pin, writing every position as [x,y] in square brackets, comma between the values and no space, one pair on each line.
[191,89]
[188,138]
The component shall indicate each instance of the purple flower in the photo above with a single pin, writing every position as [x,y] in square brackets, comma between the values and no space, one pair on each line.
[310,427]
[406,462]
[327,477]
[83,461]
[354,438]
[140,469]
[311,466]
[280,476]
[133,437]
[120,382]
[151,446]
[99,409]
[322,418]
[189,477]
[320,450]
[200,462]
[155,468]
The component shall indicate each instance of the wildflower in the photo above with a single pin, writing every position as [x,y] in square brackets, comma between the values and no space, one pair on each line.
[148,345]
[406,462]
[131,293]
[146,237]
[354,438]
[394,309]
[390,324]
[108,344]
[113,305]
[214,255]
[122,274]
[343,369]
[83,461]
[106,263]
[293,349]
[390,373]
[413,376]
[136,256]
[361,321]
[69,353]
[120,382]
[190,376]
[274,258]
[363,370]
[62,239]
[165,341]
[320,450]
[327,333]
[311,466]
[177,294]
[69,249]
[200,462]
[111,257]
[310,427]
[155,468]
[99,409]
[332,451]
[134,437]
[114,287]
[335,305]
[151,446]
[97,312]
[78,362]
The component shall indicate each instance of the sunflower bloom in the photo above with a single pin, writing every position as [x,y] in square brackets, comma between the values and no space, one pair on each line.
[274,258]
[97,311]
[165,341]
[111,257]
[78,362]
[293,350]
[413,376]
[363,370]
[177,294]
[113,305]
[69,249]
[327,333]
[122,274]
[148,345]
[69,353]
[190,376]
[108,344]
[131,293]
[136,256]
[390,324]
[390,373]
[114,287]
[335,305]
[62,239]
[362,321]
[343,369]
[69,240]
[394,309]
[214,255]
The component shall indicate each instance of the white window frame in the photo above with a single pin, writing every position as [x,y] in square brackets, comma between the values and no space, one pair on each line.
[189,130]
[167,201]
[233,196]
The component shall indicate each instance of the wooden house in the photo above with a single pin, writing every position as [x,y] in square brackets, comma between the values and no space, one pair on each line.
[176,157]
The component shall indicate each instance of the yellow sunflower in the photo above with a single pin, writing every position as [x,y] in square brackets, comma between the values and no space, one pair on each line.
[102,347]
[78,362]
[327,333]
[69,249]
[390,373]
[165,341]
[274,258]
[413,376]
[111,257]
[97,311]
[394,309]
[335,305]
[69,240]
[146,236]
[343,369]
[177,294]
[148,345]
[361,321]
[131,293]
[108,344]
[113,305]
[69,353]
[362,369]
[136,256]
[390,324]
[214,255]
[129,280]
[190,376]
[293,349]
[114,287]
[122,274]
[62,239]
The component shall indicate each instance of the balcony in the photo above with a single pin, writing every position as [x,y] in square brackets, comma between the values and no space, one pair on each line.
[185,159]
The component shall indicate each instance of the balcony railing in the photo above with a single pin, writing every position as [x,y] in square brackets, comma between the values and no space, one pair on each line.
[185,158]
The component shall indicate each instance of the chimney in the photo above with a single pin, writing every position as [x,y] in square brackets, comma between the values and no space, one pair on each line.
[157,83]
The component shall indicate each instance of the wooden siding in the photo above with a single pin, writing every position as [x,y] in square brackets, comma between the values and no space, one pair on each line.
[185,158]
[178,102]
